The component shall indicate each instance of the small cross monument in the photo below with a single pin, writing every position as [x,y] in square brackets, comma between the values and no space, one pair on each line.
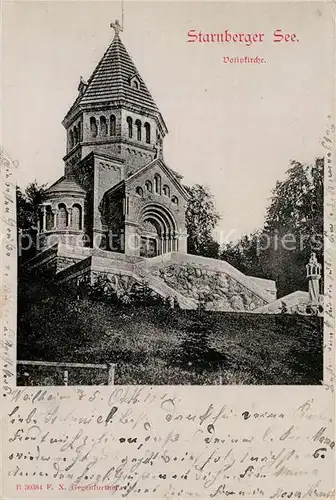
[116,26]
[314,276]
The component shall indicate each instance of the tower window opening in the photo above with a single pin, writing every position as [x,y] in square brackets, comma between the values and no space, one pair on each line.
[148,132]
[93,126]
[71,139]
[75,135]
[42,228]
[77,217]
[49,218]
[174,200]
[138,129]
[166,190]
[130,127]
[139,191]
[112,125]
[157,183]
[148,186]
[135,84]
[62,216]
[79,128]
[103,125]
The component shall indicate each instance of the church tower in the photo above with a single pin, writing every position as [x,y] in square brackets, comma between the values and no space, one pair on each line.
[114,113]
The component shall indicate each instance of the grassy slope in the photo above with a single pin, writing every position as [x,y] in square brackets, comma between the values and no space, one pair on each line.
[146,343]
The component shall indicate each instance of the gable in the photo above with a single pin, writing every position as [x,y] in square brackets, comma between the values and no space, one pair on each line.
[148,172]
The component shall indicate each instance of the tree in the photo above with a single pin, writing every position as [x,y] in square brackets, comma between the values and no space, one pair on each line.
[294,224]
[293,228]
[27,203]
[297,202]
[245,254]
[201,219]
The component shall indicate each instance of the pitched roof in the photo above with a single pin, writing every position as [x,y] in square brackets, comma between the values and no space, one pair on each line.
[65,185]
[111,80]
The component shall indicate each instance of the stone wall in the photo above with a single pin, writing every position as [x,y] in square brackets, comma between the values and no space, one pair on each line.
[218,291]
[213,281]
[294,303]
[190,279]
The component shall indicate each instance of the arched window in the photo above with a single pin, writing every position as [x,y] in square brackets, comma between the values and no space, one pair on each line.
[157,183]
[130,127]
[149,186]
[138,129]
[139,191]
[77,217]
[71,139]
[113,125]
[135,84]
[103,125]
[166,190]
[62,216]
[174,200]
[49,218]
[75,135]
[148,132]
[41,220]
[79,128]
[93,126]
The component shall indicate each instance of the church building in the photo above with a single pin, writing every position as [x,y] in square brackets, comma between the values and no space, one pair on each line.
[117,193]
[119,210]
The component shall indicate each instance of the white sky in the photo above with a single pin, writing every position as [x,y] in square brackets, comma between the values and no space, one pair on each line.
[232,127]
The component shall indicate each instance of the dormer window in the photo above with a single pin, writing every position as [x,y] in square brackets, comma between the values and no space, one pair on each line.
[135,82]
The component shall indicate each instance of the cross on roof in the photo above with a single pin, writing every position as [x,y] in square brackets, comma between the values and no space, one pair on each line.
[116,26]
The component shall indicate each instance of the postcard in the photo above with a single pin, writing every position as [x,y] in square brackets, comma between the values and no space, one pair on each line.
[168,234]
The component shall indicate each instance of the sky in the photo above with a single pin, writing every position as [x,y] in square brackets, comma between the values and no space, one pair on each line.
[232,127]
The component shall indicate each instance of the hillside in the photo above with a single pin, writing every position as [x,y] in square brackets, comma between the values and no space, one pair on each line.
[153,344]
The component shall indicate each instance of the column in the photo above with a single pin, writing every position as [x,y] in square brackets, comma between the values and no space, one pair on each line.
[69,224]
[39,221]
[82,217]
[54,212]
[44,228]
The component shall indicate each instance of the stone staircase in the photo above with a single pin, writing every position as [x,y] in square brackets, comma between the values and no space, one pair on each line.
[188,278]
[295,302]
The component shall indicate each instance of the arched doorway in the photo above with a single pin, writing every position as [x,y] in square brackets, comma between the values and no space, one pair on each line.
[158,231]
[150,238]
